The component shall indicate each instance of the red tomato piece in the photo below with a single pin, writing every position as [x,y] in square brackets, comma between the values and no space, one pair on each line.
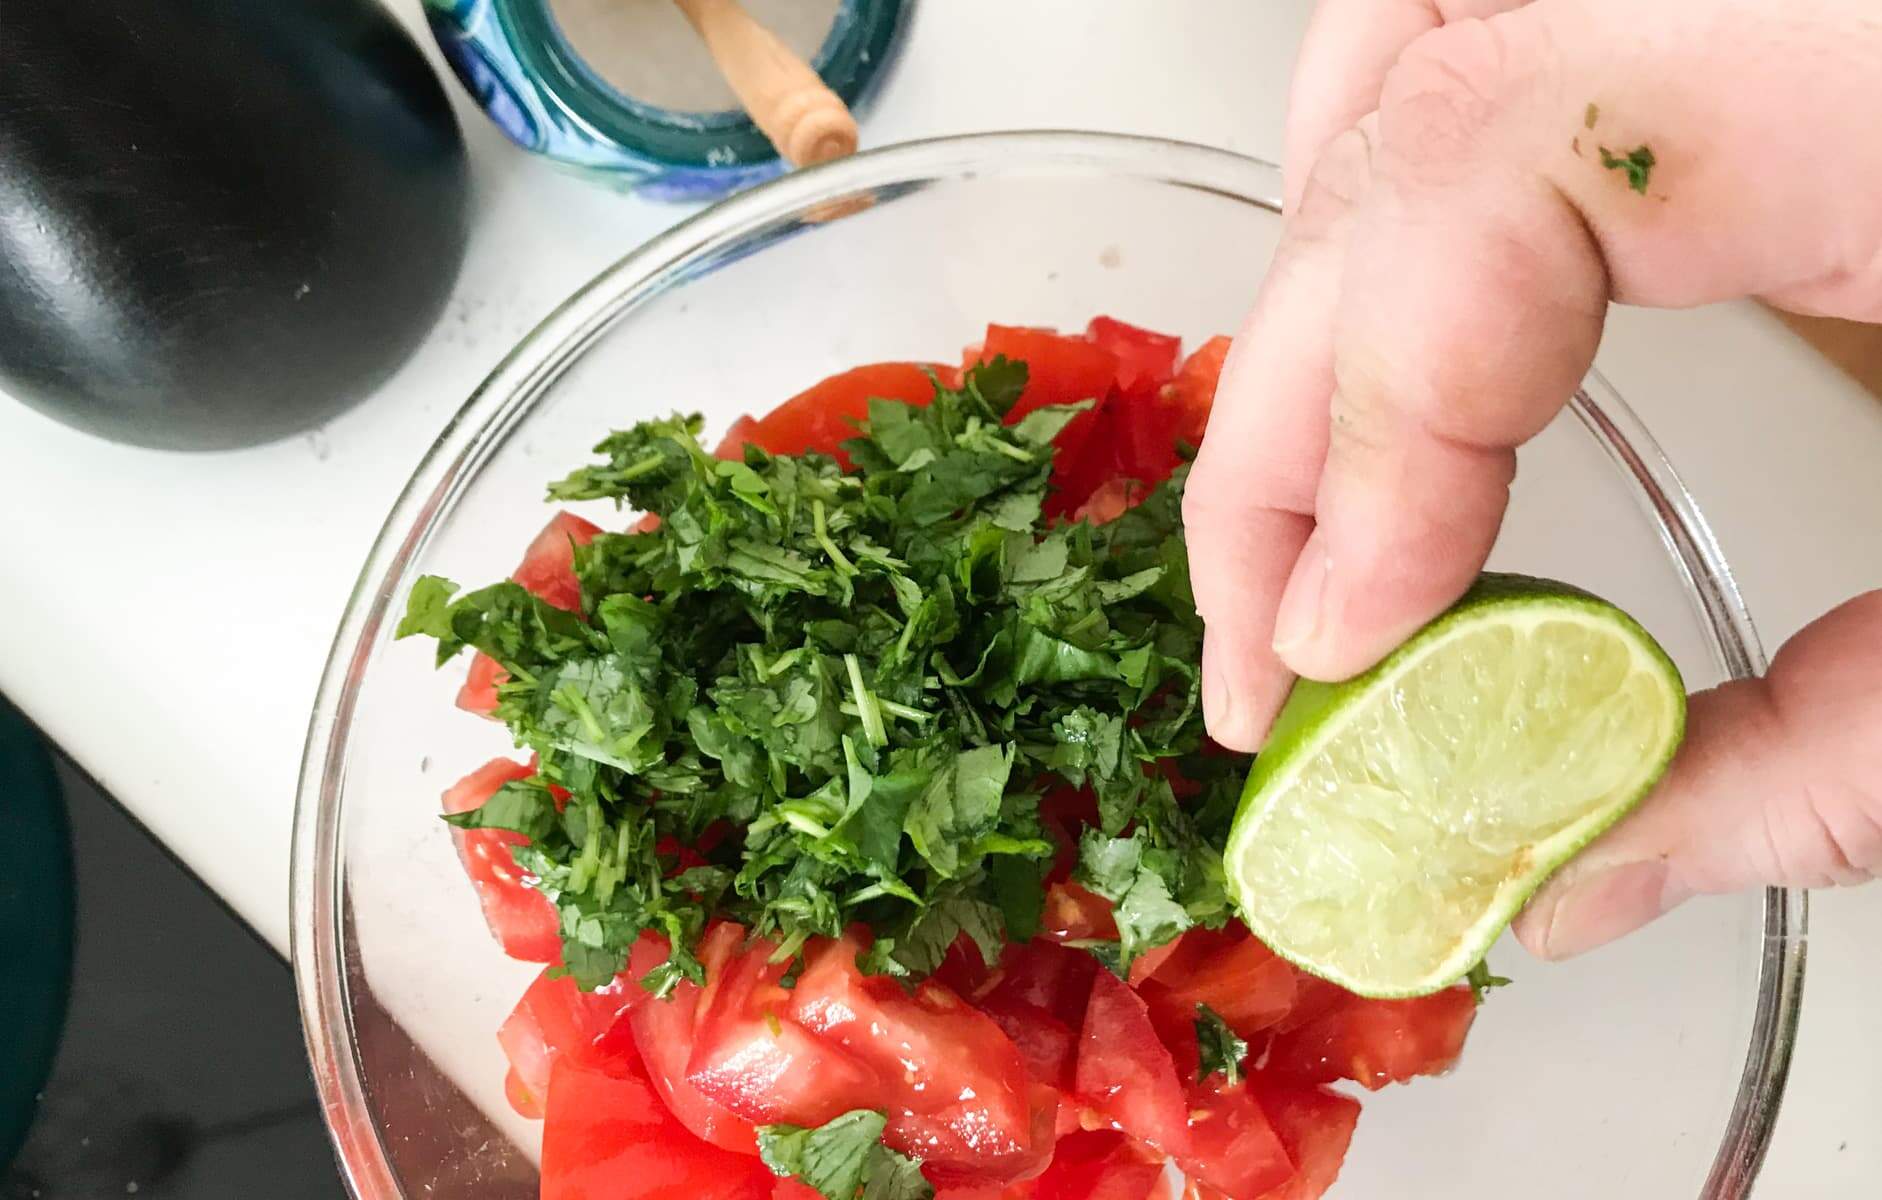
[525,1102]
[548,566]
[479,693]
[954,1086]
[962,970]
[1192,393]
[1059,370]
[1316,1126]
[792,1189]
[1125,1072]
[732,445]
[1145,360]
[1232,972]
[1048,1045]
[555,1017]
[1232,1146]
[1075,913]
[824,416]
[1098,1164]
[521,918]
[749,1056]
[1376,1042]
[1044,975]
[607,1136]
[663,1034]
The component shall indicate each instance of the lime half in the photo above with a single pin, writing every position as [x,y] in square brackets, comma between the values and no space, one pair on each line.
[1396,822]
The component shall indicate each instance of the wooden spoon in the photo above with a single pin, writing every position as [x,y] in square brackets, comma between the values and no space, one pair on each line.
[804,119]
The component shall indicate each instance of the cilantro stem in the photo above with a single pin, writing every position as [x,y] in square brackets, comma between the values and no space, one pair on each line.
[999,444]
[823,539]
[889,708]
[866,710]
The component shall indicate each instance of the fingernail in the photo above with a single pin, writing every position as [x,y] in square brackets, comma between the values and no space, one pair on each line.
[1297,622]
[1218,705]
[1606,905]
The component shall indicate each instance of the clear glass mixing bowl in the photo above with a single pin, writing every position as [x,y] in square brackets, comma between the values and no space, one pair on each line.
[1650,1070]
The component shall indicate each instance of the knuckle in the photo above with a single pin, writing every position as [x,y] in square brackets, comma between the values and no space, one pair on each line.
[1443,96]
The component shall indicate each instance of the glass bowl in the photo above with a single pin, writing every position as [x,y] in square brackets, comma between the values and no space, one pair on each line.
[1651,1069]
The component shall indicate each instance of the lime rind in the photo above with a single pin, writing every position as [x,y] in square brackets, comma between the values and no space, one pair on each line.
[1363,864]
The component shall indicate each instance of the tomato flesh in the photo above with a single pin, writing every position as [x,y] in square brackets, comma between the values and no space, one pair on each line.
[548,566]
[1124,1070]
[1231,971]
[663,1032]
[1145,360]
[954,1086]
[822,417]
[1315,1125]
[1376,1042]
[521,918]
[555,1017]
[1098,1164]
[607,1136]
[1232,1145]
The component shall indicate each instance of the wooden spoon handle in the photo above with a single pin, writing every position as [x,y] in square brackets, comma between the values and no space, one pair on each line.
[804,119]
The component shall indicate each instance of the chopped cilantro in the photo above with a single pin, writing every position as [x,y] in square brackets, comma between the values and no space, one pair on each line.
[1638,166]
[864,682]
[1222,1051]
[1481,980]
[844,1159]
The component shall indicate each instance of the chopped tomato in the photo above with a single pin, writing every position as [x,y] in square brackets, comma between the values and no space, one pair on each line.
[1313,998]
[521,917]
[1316,1126]
[1191,395]
[1145,360]
[1048,1045]
[1232,972]
[1376,1042]
[663,1034]
[1059,370]
[1098,1164]
[607,1136]
[1232,1146]
[479,693]
[548,571]
[824,416]
[749,1056]
[548,566]
[1044,975]
[954,1086]
[792,1189]
[732,445]
[962,969]
[1125,1072]
[526,1103]
[1075,913]
[555,1017]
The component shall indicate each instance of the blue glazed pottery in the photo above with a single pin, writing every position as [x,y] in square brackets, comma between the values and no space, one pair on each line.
[523,72]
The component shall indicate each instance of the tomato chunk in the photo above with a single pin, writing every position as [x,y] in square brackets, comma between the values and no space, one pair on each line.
[548,566]
[1316,1126]
[1045,976]
[1099,1164]
[1191,395]
[555,1017]
[521,918]
[1145,360]
[954,1086]
[1125,1072]
[1376,1042]
[1048,1045]
[479,693]
[750,1057]
[663,1032]
[823,416]
[607,1136]
[1232,972]
[1232,1146]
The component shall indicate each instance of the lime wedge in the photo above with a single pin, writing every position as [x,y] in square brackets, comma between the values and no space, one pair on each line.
[1396,822]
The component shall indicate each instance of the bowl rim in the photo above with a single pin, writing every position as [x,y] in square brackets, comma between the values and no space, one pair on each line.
[797,200]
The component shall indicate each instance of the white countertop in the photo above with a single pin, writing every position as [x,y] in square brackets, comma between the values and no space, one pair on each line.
[167,627]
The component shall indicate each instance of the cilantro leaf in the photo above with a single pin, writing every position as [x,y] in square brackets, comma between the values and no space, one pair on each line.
[1222,1050]
[1637,164]
[1482,981]
[843,1159]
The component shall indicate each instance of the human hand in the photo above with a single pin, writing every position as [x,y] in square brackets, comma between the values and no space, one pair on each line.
[1470,183]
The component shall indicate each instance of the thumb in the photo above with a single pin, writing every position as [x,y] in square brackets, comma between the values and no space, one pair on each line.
[1779,784]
